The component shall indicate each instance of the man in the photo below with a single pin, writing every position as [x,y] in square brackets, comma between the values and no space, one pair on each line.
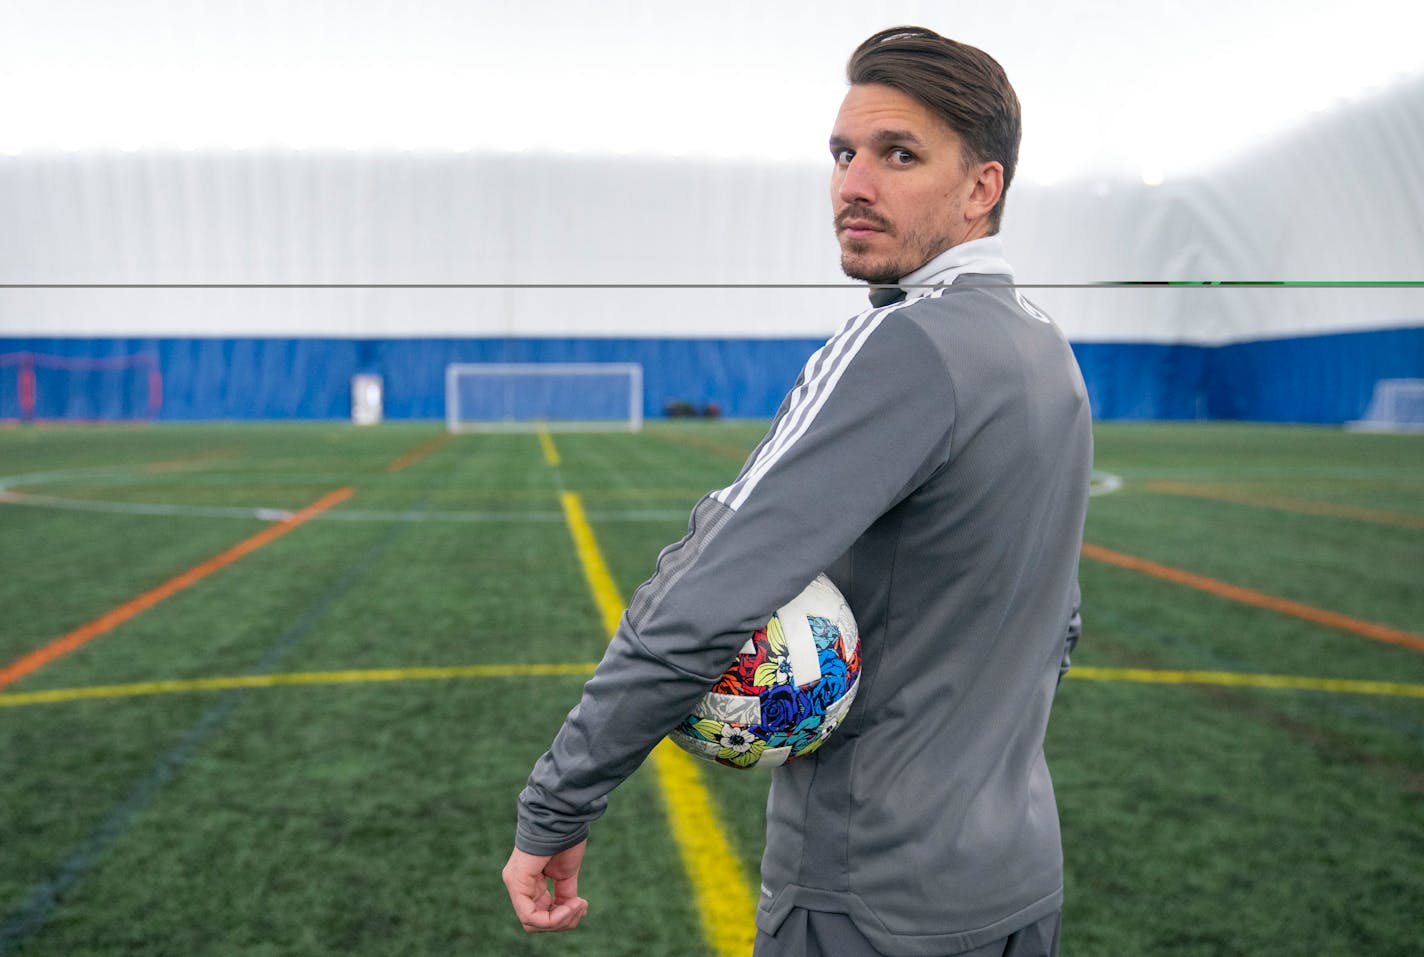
[933,459]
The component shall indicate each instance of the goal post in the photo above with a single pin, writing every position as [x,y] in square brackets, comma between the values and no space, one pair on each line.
[1397,405]
[559,396]
[38,387]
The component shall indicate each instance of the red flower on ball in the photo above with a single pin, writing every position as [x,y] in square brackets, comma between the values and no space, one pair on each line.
[741,680]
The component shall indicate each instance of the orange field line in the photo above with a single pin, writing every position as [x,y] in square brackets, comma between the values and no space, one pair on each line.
[1219,493]
[734,452]
[85,633]
[1284,606]
[192,461]
[419,452]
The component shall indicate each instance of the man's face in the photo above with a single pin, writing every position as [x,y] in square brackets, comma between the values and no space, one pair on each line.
[900,185]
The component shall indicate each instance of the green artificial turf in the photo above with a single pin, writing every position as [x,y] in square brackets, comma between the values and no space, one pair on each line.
[373,818]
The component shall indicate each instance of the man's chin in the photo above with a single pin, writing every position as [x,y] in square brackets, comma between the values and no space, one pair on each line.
[874,273]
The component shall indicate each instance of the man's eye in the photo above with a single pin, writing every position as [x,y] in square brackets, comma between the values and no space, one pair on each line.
[843,157]
[901,157]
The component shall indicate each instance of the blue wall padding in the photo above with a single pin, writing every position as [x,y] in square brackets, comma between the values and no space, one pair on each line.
[746,377]
[311,378]
[1135,380]
[1315,379]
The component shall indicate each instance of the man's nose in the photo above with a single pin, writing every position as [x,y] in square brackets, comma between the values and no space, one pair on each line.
[857,183]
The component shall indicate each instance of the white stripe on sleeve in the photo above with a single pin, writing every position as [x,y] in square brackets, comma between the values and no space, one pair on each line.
[823,371]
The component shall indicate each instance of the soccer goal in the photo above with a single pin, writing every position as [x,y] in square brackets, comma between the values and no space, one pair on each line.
[1396,406]
[561,396]
[44,388]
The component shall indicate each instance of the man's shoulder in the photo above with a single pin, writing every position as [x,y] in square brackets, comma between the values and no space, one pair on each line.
[888,348]
[968,295]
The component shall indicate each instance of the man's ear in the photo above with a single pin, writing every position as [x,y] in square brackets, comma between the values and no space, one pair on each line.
[988,187]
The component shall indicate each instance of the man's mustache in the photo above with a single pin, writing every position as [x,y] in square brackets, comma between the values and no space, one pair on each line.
[864,215]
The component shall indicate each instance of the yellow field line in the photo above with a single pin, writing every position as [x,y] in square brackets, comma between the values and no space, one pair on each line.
[725,901]
[546,442]
[595,569]
[178,686]
[1245,680]
[375,675]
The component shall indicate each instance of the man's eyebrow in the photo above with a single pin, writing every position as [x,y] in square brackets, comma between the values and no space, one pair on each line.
[886,137]
[881,138]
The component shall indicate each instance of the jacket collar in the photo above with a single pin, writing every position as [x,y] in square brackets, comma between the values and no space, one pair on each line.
[980,256]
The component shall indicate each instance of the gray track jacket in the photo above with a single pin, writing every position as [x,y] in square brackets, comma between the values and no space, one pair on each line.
[934,459]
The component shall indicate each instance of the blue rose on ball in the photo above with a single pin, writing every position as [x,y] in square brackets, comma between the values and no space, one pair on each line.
[833,683]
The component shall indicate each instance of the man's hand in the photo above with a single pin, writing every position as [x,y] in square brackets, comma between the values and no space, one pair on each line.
[526,877]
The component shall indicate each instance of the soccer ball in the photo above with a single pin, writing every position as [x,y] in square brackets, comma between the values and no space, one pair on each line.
[791,685]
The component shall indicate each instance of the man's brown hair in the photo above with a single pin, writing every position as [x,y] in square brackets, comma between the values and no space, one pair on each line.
[961,84]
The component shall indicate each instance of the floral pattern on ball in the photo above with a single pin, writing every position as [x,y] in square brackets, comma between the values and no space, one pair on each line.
[795,712]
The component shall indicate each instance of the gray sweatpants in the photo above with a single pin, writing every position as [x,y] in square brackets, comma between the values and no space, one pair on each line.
[808,933]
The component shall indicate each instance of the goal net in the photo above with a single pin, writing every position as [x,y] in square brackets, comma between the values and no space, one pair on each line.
[36,387]
[551,395]
[1396,406]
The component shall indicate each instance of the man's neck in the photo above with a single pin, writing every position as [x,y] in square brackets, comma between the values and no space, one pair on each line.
[983,255]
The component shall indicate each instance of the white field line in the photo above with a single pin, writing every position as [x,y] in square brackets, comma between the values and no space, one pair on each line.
[10,496]
[1103,483]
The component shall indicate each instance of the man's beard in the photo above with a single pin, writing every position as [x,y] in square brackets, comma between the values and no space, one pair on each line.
[876,274]
[914,252]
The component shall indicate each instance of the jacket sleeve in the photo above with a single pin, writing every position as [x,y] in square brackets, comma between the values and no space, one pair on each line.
[870,419]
